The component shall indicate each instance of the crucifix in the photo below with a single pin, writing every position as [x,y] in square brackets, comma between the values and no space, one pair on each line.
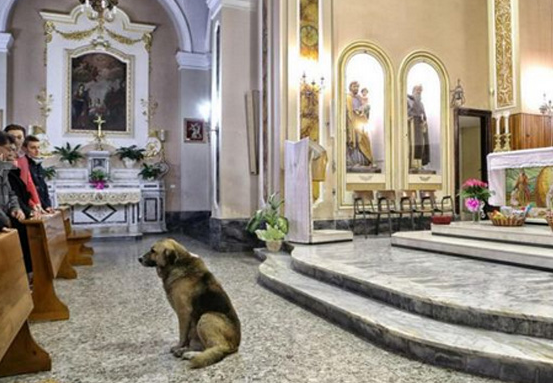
[99,135]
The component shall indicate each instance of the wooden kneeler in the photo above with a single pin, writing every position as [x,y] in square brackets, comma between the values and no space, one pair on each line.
[49,254]
[19,353]
[79,254]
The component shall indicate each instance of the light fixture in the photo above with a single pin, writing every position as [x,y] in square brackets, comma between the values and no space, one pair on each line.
[547,107]
[100,8]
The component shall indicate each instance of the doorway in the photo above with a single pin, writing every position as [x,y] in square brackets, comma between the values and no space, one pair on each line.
[472,144]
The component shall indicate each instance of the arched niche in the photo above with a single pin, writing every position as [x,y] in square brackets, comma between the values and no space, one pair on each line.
[426,143]
[364,113]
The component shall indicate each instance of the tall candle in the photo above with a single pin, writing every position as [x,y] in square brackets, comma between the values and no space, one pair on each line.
[162,135]
[497,124]
[507,123]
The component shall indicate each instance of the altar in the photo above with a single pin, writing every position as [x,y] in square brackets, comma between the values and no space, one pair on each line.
[521,177]
[128,206]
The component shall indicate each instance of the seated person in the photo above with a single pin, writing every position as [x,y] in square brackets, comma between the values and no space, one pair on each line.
[11,213]
[16,183]
[31,147]
[18,133]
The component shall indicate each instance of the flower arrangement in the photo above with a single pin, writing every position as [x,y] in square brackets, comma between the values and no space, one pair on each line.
[98,178]
[475,192]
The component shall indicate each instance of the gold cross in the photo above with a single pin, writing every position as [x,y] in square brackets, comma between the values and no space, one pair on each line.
[99,122]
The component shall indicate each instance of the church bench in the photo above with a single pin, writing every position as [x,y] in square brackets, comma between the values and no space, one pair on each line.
[19,354]
[49,255]
[78,253]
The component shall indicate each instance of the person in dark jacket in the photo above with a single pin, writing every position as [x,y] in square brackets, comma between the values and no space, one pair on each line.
[31,147]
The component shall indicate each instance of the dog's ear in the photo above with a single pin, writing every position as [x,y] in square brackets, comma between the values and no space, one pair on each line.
[169,257]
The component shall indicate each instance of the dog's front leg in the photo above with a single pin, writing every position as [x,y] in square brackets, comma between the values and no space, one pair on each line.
[183,315]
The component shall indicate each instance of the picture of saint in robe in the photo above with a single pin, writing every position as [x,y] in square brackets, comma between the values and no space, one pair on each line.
[359,156]
[98,88]
[419,145]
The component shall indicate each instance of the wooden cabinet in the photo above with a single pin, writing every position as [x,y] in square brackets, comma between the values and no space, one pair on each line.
[530,131]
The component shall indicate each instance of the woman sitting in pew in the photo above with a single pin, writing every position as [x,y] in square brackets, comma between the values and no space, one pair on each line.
[9,201]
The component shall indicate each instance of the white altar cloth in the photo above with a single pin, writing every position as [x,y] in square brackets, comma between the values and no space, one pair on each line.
[498,162]
[87,196]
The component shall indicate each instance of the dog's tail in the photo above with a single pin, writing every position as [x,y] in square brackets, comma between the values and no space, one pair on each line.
[210,356]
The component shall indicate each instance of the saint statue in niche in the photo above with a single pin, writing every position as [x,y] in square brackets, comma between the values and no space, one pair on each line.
[359,156]
[419,145]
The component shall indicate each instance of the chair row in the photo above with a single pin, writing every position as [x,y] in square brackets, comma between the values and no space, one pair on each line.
[391,203]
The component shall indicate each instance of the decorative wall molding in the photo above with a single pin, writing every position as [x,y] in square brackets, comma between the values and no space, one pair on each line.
[216,5]
[174,11]
[6,41]
[503,54]
[194,61]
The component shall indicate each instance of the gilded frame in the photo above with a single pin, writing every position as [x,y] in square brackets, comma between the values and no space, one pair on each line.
[422,181]
[366,181]
[129,60]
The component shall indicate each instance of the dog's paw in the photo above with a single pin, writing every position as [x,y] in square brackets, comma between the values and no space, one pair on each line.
[177,351]
[190,354]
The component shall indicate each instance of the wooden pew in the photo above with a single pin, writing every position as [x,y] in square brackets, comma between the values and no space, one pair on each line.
[79,254]
[19,354]
[48,252]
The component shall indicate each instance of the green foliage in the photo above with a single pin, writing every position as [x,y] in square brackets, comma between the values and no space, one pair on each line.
[270,234]
[131,152]
[50,173]
[272,219]
[98,176]
[150,171]
[69,154]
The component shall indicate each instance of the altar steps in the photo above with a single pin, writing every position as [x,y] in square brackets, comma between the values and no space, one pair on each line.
[530,246]
[505,356]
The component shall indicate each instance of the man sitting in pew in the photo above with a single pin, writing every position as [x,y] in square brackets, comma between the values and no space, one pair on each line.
[31,147]
[12,214]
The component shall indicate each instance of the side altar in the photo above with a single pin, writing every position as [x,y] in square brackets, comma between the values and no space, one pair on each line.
[520,177]
[126,206]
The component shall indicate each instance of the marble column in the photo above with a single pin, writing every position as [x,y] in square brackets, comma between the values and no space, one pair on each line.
[6,41]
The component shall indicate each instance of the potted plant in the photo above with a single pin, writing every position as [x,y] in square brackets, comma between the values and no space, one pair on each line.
[130,155]
[276,225]
[98,178]
[68,154]
[476,194]
[50,173]
[150,172]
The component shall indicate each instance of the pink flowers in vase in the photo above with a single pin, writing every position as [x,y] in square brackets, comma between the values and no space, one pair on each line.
[472,204]
[473,189]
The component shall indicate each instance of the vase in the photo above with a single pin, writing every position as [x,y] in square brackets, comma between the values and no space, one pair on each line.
[273,246]
[129,163]
[476,216]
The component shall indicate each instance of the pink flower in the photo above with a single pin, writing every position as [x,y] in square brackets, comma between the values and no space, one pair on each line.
[471,182]
[472,204]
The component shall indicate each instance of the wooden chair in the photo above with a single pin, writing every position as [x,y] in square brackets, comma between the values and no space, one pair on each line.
[428,201]
[49,256]
[19,353]
[386,206]
[363,205]
[78,253]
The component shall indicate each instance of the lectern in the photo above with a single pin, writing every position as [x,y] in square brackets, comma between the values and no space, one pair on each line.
[298,195]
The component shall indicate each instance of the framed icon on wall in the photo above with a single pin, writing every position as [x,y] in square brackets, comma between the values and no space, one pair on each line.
[194,131]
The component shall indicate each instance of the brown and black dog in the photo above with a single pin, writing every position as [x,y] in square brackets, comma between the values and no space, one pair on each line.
[209,328]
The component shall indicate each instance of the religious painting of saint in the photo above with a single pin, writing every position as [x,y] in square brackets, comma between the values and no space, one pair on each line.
[530,185]
[98,88]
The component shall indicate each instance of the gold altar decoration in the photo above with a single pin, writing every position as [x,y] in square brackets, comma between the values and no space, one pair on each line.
[99,135]
[503,24]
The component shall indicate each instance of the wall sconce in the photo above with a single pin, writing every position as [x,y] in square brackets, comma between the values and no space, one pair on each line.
[311,87]
[547,107]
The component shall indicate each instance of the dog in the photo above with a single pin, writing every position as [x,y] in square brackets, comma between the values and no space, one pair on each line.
[209,328]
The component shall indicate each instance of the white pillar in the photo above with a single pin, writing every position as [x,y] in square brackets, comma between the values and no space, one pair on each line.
[194,77]
[6,41]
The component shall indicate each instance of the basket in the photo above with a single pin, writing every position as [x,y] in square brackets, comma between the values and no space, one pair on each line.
[507,221]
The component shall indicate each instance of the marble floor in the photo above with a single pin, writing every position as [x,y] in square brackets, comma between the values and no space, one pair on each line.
[121,328]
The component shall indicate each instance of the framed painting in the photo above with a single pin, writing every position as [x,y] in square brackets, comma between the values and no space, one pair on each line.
[194,131]
[99,86]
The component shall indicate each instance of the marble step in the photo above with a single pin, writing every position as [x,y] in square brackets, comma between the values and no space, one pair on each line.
[533,235]
[521,255]
[508,357]
[456,290]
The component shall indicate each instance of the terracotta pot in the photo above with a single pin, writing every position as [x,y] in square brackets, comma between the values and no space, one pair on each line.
[273,246]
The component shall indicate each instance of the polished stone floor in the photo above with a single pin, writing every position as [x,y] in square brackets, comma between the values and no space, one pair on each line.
[121,328]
